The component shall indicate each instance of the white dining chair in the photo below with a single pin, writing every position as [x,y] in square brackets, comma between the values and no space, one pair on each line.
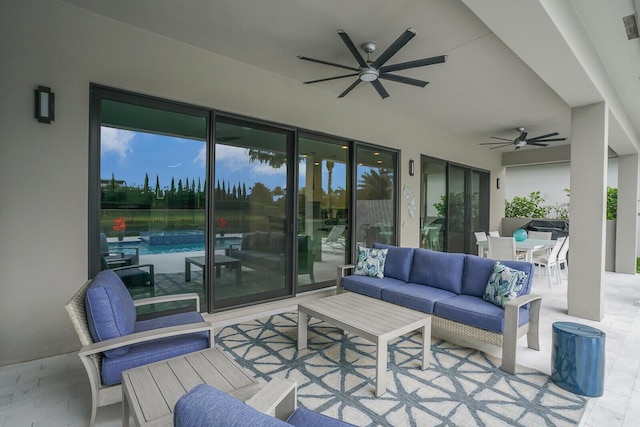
[551,260]
[502,248]
[562,258]
[481,236]
[494,234]
[539,235]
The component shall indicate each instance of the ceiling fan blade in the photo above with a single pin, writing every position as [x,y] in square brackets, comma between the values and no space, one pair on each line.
[394,48]
[413,64]
[523,136]
[494,143]
[501,139]
[330,78]
[320,61]
[350,88]
[550,140]
[500,146]
[380,89]
[537,144]
[403,79]
[352,48]
[543,136]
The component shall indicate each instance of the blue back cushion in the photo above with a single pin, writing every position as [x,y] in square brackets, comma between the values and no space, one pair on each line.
[204,405]
[398,262]
[438,269]
[110,310]
[477,271]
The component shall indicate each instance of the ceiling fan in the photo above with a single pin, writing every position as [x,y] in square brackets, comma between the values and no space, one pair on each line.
[372,71]
[522,140]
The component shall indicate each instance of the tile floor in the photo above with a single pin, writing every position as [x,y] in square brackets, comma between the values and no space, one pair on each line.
[54,391]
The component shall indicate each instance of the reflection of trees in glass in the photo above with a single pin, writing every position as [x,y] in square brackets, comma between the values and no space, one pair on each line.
[260,194]
[275,160]
[375,185]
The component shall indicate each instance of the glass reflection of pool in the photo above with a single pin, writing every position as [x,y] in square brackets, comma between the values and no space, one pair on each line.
[147,249]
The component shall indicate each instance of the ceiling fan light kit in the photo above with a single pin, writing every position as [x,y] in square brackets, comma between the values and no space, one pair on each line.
[372,71]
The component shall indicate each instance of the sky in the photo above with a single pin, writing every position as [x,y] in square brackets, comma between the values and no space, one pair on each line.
[128,155]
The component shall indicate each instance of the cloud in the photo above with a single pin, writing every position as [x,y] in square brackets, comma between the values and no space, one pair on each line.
[175,166]
[116,140]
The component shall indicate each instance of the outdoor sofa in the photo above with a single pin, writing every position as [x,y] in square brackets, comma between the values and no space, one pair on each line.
[450,287]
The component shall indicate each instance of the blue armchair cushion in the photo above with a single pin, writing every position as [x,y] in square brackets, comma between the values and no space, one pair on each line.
[398,262]
[204,405]
[156,350]
[504,284]
[110,310]
[370,262]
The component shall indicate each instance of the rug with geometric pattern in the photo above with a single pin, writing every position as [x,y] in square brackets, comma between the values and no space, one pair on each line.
[335,376]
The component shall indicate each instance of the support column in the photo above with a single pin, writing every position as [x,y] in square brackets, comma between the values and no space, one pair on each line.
[589,146]
[627,219]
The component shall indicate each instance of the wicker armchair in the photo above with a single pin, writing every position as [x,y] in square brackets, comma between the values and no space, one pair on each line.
[91,353]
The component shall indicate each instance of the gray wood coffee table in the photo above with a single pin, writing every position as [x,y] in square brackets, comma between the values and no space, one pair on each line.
[150,392]
[372,319]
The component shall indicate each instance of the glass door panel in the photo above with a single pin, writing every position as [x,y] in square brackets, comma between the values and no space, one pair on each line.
[434,210]
[457,219]
[375,196]
[253,245]
[323,201]
[152,198]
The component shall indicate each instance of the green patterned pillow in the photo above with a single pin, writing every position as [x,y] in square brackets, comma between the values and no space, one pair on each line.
[504,284]
[371,262]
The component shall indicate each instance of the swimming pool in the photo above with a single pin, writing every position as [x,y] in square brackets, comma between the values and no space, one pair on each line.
[153,249]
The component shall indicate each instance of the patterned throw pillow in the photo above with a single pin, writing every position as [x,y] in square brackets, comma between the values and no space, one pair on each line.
[371,262]
[504,284]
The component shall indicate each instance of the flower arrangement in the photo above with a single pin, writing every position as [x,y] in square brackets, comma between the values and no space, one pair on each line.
[222,223]
[120,227]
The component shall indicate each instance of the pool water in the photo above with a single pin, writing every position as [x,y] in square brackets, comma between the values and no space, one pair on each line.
[147,249]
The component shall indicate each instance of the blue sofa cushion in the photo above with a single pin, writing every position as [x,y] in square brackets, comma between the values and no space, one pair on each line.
[478,269]
[476,312]
[504,284]
[438,269]
[415,296]
[370,262]
[204,405]
[398,262]
[110,310]
[369,286]
[156,350]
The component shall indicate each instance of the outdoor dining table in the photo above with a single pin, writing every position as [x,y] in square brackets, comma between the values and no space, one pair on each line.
[528,246]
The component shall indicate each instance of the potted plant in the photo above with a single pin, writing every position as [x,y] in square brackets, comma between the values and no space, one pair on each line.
[222,223]
[120,227]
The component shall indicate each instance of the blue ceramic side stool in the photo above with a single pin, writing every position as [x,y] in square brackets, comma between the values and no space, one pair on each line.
[577,358]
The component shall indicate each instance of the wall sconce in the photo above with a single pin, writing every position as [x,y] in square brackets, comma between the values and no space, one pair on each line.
[44,104]
[412,168]
[498,183]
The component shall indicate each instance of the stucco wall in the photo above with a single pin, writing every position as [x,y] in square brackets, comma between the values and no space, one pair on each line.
[44,169]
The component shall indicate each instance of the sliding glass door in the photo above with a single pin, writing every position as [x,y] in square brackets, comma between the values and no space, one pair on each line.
[455,205]
[376,196]
[252,226]
[150,170]
[186,199]
[323,209]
